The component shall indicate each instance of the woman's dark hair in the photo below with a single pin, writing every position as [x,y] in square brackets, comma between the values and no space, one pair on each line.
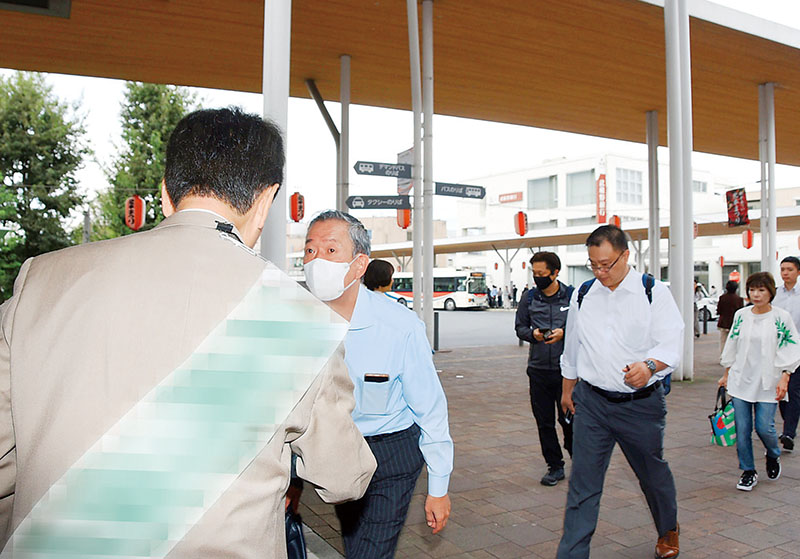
[225,154]
[550,259]
[761,279]
[732,287]
[378,274]
[610,233]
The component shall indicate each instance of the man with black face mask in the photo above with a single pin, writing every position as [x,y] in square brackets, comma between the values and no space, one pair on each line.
[541,318]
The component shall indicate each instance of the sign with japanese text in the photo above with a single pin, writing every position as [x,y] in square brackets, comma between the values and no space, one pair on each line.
[510,197]
[378,203]
[737,207]
[601,199]
[397,170]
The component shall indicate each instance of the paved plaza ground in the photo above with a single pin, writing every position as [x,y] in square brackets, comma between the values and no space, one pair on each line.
[501,511]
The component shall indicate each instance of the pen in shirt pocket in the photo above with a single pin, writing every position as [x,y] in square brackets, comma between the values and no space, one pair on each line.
[376,377]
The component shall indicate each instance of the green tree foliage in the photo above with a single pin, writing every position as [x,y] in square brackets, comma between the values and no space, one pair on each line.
[149,114]
[41,148]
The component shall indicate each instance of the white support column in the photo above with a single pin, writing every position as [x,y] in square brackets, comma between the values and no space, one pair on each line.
[679,132]
[654,229]
[343,180]
[687,146]
[416,105]
[275,90]
[427,203]
[769,223]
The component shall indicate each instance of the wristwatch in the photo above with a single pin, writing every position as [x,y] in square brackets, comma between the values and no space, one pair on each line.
[651,365]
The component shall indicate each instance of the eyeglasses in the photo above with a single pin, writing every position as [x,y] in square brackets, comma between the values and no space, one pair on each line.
[594,268]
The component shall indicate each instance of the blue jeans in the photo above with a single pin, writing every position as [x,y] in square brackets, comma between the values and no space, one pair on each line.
[765,428]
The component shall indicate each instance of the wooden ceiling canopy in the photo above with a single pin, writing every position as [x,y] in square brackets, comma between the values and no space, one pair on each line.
[576,65]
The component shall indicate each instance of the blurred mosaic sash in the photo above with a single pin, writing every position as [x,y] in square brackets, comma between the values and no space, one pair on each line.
[138,490]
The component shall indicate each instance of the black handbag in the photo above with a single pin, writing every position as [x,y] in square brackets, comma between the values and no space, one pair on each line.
[295,541]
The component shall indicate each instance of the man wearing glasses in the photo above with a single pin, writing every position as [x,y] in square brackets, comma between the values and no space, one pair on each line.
[620,345]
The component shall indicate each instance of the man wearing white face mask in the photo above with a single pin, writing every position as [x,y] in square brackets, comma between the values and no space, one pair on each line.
[400,405]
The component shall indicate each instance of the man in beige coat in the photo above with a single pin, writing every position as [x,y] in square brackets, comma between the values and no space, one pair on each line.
[91,330]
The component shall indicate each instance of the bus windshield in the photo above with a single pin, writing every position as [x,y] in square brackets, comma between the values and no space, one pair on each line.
[477,285]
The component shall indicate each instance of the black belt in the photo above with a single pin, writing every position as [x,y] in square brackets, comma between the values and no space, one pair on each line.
[619,397]
[392,435]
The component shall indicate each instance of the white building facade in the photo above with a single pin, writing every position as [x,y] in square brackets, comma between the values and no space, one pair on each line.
[564,193]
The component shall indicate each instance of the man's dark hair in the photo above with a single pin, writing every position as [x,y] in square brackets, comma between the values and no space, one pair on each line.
[732,287]
[550,259]
[378,274]
[225,154]
[792,260]
[761,279]
[610,233]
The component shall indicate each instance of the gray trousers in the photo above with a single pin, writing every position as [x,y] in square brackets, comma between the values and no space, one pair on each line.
[638,427]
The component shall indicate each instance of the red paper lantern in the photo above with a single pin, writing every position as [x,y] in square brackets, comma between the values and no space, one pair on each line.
[735,276]
[747,238]
[521,223]
[298,206]
[495,265]
[616,221]
[403,218]
[523,264]
[721,260]
[134,212]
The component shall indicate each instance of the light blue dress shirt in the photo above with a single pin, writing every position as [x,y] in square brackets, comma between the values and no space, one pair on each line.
[789,300]
[385,338]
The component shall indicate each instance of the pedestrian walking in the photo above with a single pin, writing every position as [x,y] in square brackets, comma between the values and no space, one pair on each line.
[729,302]
[400,406]
[540,320]
[624,334]
[760,355]
[787,297]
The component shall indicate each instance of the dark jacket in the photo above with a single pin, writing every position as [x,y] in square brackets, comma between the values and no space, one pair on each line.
[543,312]
[727,306]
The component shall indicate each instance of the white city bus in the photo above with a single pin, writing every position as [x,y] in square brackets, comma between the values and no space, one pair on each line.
[452,289]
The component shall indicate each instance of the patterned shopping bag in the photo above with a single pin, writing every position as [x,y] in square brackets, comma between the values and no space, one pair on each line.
[723,428]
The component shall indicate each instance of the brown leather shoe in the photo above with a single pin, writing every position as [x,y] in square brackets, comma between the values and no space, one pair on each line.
[667,546]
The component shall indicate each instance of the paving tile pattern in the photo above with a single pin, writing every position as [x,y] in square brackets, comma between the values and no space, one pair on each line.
[501,511]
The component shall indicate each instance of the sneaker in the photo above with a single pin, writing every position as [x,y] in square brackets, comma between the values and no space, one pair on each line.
[748,480]
[553,476]
[788,443]
[773,468]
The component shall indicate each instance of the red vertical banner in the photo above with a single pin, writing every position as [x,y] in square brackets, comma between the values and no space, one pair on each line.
[737,207]
[601,199]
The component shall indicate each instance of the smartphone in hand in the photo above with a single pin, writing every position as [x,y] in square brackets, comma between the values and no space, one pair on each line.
[568,415]
[546,333]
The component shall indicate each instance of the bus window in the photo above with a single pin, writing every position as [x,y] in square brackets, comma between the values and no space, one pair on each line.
[477,285]
[402,284]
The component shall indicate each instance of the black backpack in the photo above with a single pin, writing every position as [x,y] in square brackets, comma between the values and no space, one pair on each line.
[648,281]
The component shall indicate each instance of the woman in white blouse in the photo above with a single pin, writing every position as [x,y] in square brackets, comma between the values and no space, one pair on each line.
[762,350]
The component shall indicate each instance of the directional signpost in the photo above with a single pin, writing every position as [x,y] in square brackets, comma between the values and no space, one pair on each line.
[375,169]
[460,190]
[378,203]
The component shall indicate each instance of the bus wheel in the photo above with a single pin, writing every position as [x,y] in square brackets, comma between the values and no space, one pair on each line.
[449,305]
[403,302]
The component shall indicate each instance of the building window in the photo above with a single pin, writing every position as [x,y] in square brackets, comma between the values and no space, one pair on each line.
[543,193]
[700,186]
[474,231]
[581,188]
[629,186]
[592,219]
[550,224]
[578,275]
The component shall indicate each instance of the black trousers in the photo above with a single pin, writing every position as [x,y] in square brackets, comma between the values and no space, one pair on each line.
[790,411]
[545,391]
[371,526]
